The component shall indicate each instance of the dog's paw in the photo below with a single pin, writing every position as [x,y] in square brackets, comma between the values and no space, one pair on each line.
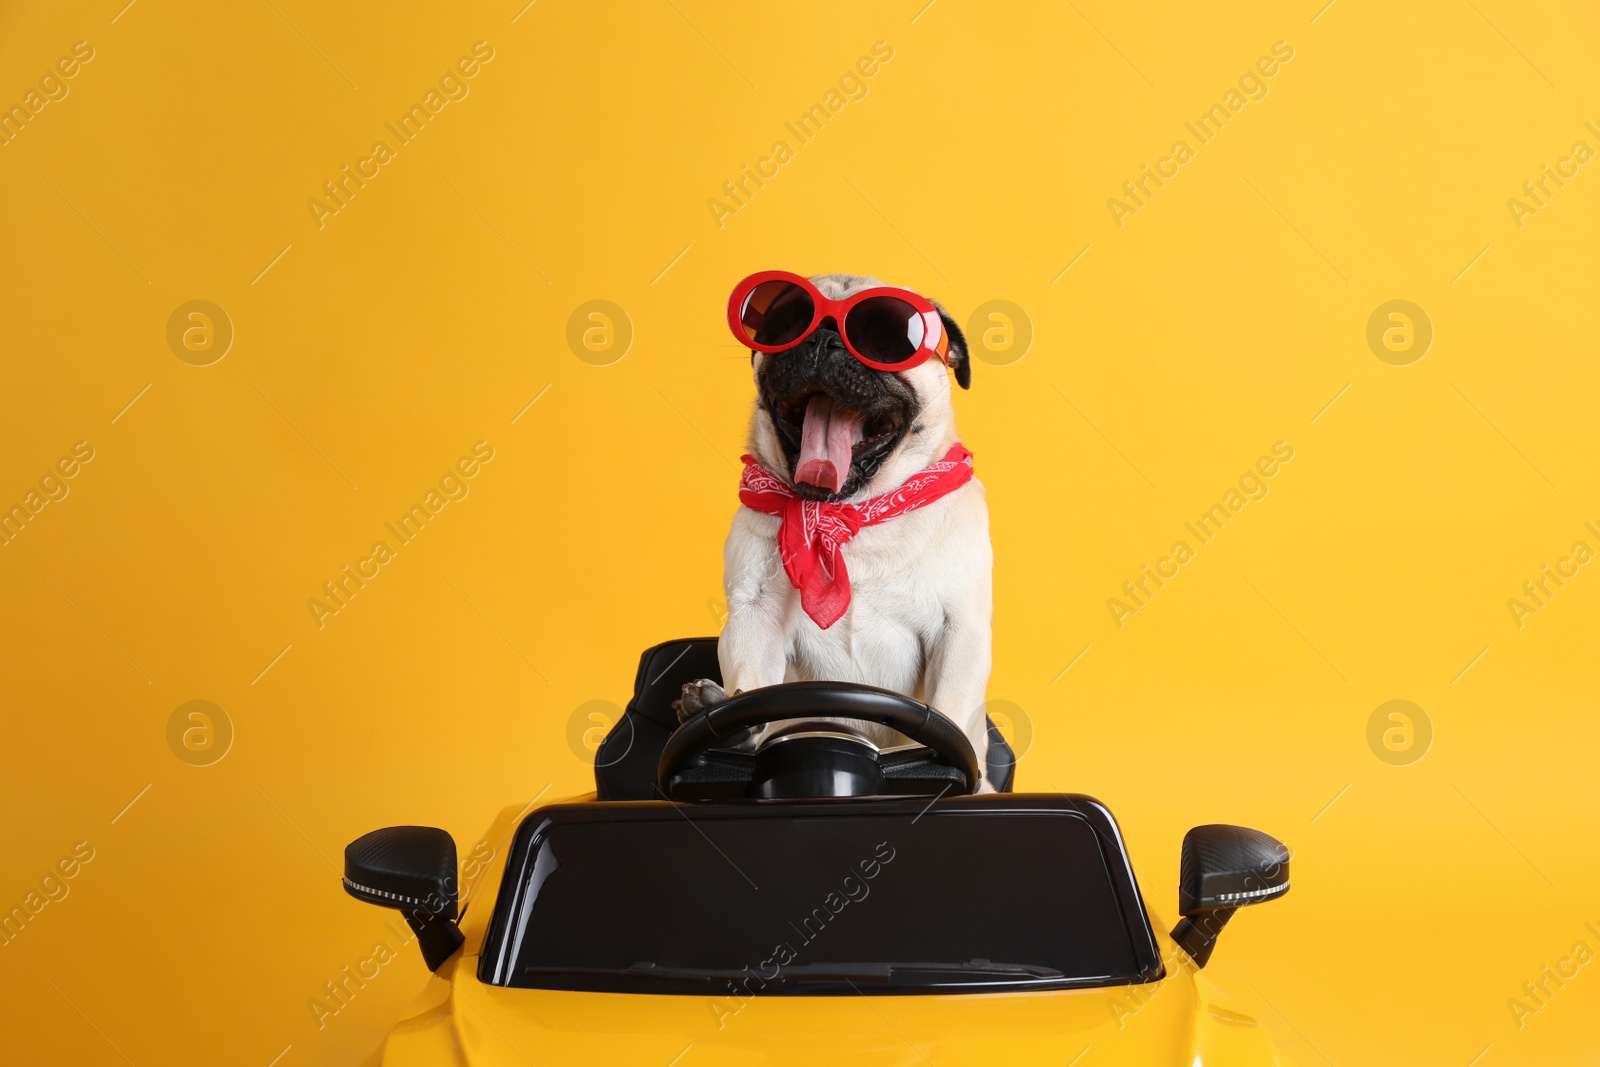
[700,695]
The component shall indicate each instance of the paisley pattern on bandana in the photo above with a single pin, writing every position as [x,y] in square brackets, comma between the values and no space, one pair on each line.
[814,531]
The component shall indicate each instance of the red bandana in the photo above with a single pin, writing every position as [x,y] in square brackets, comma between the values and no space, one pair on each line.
[813,531]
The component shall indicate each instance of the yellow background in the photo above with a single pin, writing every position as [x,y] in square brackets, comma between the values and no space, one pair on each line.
[430,311]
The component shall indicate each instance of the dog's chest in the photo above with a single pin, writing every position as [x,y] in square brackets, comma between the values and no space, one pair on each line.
[899,592]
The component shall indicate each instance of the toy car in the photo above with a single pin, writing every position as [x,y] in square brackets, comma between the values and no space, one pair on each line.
[816,901]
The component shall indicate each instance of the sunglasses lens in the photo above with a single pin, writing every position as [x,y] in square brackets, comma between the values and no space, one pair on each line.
[884,329]
[776,313]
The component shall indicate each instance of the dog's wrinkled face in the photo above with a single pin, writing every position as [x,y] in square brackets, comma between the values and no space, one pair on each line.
[829,424]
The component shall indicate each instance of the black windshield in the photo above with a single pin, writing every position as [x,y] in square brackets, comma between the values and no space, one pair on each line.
[993,893]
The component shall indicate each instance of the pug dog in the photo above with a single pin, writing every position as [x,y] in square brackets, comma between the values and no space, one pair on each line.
[844,417]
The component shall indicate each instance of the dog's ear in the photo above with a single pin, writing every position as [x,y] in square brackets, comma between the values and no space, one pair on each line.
[960,359]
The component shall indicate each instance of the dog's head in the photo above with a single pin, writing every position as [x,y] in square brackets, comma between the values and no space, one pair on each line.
[837,429]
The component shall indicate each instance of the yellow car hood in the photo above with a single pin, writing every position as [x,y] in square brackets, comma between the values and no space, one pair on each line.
[459,1022]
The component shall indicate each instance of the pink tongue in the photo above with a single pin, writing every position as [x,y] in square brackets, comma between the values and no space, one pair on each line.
[830,435]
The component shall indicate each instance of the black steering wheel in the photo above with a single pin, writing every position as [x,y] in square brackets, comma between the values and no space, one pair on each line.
[809,700]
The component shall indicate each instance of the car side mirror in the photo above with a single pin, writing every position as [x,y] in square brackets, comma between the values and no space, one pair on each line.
[412,869]
[1224,868]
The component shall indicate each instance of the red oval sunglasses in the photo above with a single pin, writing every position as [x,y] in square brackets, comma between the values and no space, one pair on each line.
[884,328]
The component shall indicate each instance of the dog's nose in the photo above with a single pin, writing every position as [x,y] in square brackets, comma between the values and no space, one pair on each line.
[827,335]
